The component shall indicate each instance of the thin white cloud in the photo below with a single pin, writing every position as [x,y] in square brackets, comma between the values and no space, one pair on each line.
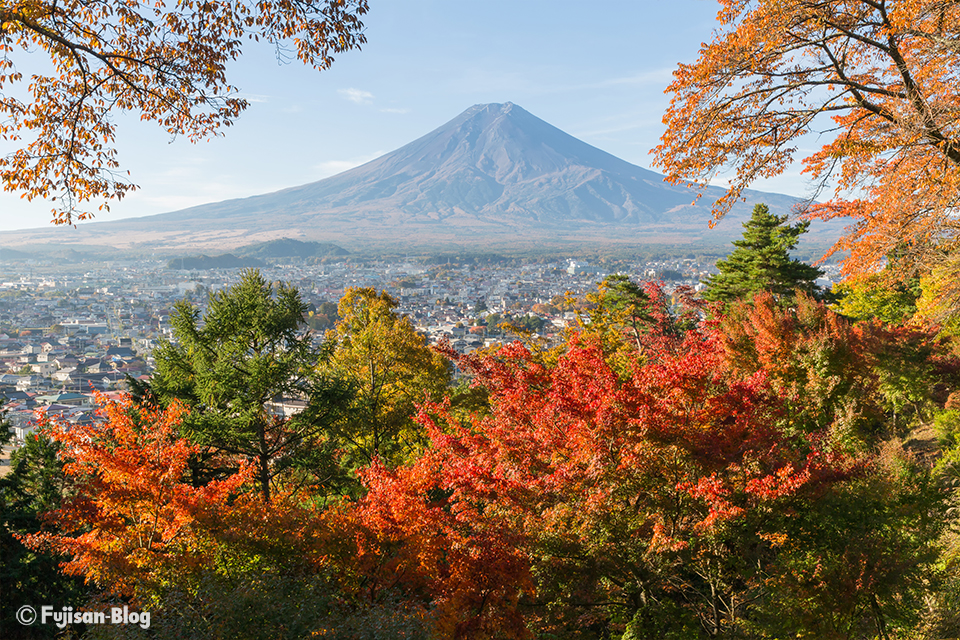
[254,97]
[194,193]
[551,80]
[333,167]
[185,171]
[659,77]
[655,77]
[605,132]
[175,203]
[356,95]
[611,127]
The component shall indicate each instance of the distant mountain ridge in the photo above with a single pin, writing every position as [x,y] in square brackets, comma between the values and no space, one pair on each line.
[290,248]
[493,176]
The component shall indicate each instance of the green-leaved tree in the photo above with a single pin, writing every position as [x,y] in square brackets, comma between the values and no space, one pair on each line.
[762,262]
[242,369]
[390,370]
[34,485]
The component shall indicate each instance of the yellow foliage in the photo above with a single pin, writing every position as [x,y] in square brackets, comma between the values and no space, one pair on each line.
[391,370]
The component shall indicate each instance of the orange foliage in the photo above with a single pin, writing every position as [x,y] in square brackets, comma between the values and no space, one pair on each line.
[131,515]
[884,72]
[856,378]
[577,472]
[166,61]
[415,539]
[814,357]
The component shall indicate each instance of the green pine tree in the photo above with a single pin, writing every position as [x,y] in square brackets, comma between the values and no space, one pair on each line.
[250,350]
[762,262]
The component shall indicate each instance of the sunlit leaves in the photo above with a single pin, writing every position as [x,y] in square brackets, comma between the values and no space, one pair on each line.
[133,514]
[390,369]
[877,79]
[761,261]
[619,490]
[235,368]
[165,61]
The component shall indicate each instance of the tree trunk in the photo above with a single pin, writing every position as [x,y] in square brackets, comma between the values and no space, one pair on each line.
[878,616]
[264,464]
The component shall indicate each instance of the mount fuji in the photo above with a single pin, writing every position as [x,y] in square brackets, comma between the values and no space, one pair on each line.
[494,176]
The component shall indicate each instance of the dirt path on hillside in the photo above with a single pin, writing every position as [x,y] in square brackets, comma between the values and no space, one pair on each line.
[922,442]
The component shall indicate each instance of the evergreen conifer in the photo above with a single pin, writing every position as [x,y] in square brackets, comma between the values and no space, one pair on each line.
[762,262]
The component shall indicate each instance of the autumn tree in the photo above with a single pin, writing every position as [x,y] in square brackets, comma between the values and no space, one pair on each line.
[654,506]
[435,552]
[762,262]
[164,61]
[235,368]
[865,381]
[131,514]
[939,298]
[881,585]
[872,296]
[619,305]
[323,316]
[716,484]
[389,368]
[817,361]
[211,562]
[876,77]
[632,322]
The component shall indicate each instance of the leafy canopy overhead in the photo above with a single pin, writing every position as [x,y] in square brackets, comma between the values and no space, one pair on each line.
[164,60]
[877,78]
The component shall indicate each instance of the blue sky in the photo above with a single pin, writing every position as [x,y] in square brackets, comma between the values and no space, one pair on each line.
[594,69]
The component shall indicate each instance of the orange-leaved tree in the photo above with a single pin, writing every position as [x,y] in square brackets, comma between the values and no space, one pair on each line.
[426,544]
[864,381]
[133,516]
[218,560]
[877,78]
[814,358]
[164,60]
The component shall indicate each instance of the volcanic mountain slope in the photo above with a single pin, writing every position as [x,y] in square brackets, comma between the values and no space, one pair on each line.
[492,176]
[500,164]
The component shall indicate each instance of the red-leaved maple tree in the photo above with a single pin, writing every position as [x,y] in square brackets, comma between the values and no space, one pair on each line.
[616,493]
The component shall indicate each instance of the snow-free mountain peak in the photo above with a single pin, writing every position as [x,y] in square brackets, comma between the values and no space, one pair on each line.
[495,175]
